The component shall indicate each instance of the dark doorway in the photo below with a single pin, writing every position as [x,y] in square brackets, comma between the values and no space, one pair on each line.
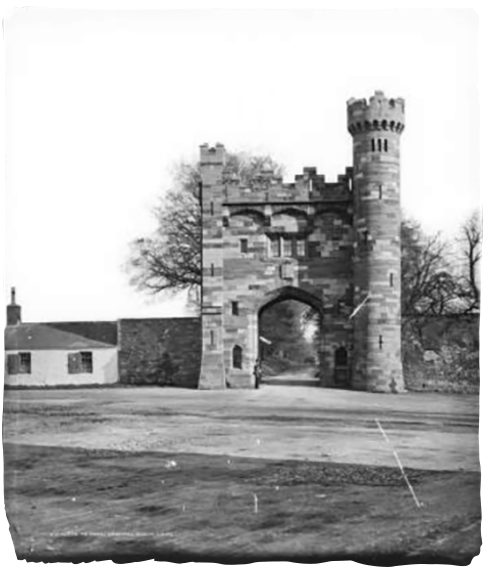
[341,370]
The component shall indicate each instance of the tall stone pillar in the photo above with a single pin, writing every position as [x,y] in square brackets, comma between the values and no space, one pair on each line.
[376,127]
[212,162]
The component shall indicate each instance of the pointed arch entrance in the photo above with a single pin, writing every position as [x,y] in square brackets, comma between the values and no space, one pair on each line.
[289,333]
[289,292]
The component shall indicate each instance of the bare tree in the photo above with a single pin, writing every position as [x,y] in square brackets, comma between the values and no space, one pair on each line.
[169,260]
[470,245]
[428,286]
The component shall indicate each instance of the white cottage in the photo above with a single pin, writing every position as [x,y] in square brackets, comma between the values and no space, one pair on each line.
[41,354]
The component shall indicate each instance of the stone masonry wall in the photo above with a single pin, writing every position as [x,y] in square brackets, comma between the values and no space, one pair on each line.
[441,354]
[286,241]
[142,348]
[212,161]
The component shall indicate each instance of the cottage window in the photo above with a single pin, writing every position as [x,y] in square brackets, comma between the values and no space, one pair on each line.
[25,363]
[86,362]
[19,363]
[12,364]
[80,363]
[235,308]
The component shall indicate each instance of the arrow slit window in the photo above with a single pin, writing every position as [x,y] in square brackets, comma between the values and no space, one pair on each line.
[237,357]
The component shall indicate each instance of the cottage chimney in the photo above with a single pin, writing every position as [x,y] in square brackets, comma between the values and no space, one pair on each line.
[13,310]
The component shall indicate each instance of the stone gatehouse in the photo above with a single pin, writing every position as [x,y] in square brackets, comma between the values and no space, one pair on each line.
[332,245]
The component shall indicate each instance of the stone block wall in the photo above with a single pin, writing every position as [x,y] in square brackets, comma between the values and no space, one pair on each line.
[150,349]
[295,241]
[212,161]
[441,354]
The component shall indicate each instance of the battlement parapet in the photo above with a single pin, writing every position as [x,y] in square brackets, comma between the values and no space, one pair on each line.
[308,186]
[290,192]
[212,155]
[267,194]
[379,113]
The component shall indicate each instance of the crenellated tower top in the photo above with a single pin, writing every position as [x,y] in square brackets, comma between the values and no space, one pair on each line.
[380,113]
[212,155]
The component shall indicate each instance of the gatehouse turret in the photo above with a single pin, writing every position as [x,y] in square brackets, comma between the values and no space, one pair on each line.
[376,127]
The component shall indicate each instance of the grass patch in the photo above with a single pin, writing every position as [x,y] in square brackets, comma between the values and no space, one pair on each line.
[68,504]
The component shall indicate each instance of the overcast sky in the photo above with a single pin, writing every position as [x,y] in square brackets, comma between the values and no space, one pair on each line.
[100,105]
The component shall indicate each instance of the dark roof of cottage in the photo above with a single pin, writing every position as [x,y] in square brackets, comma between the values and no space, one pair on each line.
[103,331]
[40,336]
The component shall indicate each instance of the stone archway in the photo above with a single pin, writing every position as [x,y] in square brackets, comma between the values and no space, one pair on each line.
[289,292]
[297,361]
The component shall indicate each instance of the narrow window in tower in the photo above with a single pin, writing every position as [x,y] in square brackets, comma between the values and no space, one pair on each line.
[275,247]
[385,145]
[212,338]
[212,270]
[380,342]
[373,145]
[235,310]
[391,279]
[379,143]
[244,245]
[287,247]
[341,358]
[237,357]
[380,192]
[301,247]
[365,237]
[211,208]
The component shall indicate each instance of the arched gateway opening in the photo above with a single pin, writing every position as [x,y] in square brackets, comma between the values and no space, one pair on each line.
[289,338]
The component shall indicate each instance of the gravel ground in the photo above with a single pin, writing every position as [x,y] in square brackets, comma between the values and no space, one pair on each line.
[433,432]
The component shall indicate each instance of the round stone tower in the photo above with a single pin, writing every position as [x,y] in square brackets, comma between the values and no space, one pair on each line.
[376,128]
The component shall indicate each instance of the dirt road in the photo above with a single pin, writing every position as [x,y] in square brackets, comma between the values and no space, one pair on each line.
[429,431]
[305,376]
